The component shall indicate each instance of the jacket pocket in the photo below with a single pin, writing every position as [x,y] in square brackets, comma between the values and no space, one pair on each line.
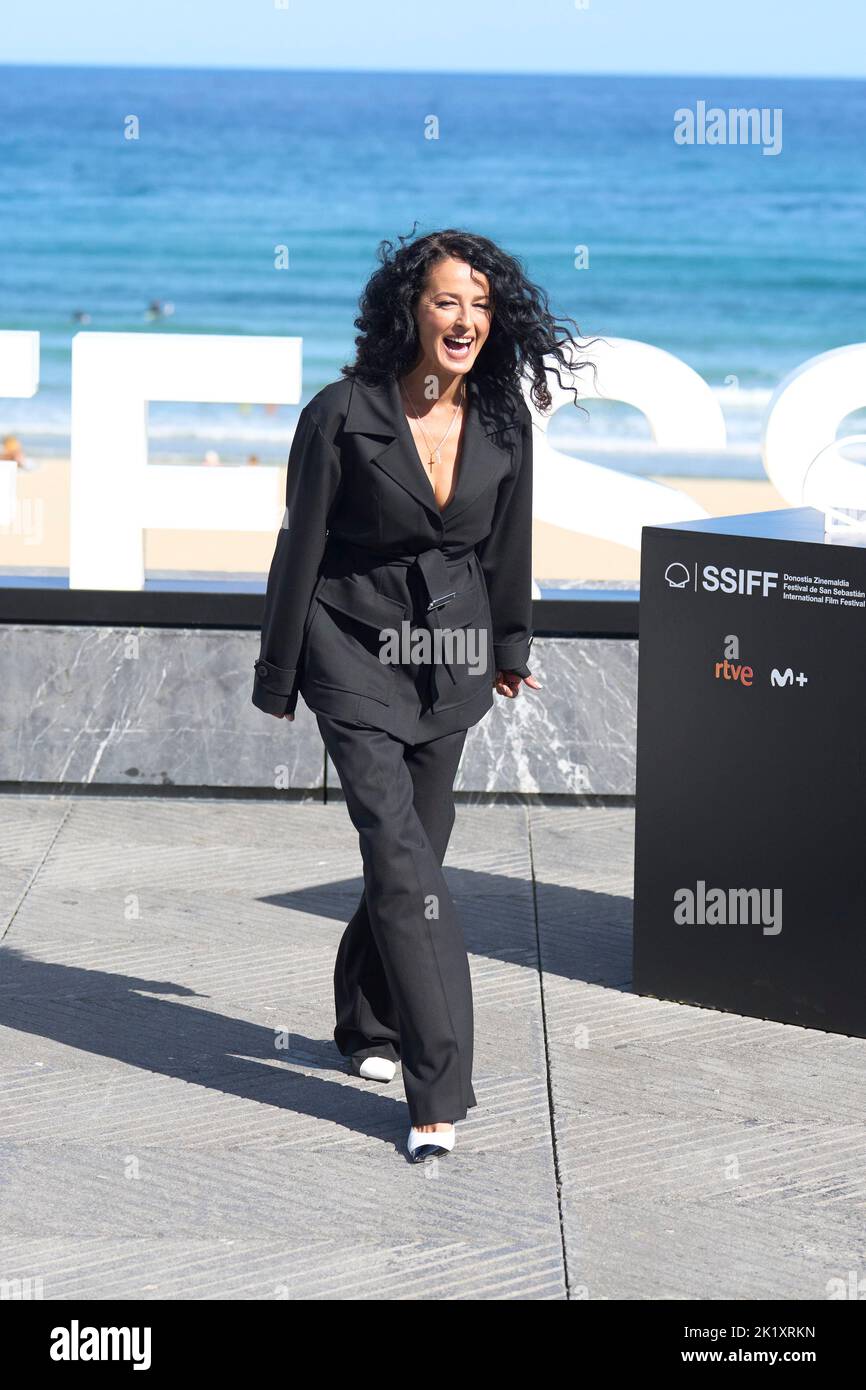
[343,642]
[465,667]
[359,599]
[467,608]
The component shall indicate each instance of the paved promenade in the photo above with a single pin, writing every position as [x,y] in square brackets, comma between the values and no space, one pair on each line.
[175,1121]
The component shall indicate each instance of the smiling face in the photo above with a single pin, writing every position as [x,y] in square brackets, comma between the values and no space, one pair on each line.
[453,314]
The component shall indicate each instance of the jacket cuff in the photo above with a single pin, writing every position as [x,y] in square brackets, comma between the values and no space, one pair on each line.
[512,657]
[274,689]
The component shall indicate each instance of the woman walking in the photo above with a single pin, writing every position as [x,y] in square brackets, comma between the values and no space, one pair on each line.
[398,599]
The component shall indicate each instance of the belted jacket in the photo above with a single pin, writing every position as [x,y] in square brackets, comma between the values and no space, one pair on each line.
[382,608]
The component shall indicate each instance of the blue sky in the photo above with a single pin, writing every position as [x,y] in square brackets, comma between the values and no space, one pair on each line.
[767,37]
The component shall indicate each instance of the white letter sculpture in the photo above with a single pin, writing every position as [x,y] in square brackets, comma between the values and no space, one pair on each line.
[114,493]
[682,413]
[802,455]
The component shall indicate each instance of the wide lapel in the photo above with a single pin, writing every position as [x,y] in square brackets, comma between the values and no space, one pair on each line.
[485,455]
[378,411]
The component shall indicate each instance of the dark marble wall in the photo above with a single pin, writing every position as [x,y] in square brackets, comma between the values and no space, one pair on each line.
[171,707]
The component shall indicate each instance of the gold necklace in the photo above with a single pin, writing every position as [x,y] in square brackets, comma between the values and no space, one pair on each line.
[434,453]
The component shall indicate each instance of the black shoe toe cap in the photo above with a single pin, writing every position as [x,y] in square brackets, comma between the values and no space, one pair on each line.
[428,1151]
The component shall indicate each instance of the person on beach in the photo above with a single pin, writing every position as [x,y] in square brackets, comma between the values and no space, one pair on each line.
[12,450]
[409,516]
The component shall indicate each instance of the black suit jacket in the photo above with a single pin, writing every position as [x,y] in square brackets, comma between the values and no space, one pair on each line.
[364,548]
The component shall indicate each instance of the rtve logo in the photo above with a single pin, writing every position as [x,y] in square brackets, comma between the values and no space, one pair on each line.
[731,668]
[727,580]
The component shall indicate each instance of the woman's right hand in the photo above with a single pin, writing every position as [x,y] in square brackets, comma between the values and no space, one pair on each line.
[284,716]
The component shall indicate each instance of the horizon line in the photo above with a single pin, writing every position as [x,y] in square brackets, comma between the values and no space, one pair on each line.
[435,72]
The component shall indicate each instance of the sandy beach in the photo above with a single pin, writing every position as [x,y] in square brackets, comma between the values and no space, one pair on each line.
[39,539]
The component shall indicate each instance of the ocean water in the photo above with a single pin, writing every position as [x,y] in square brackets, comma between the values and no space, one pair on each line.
[742,264]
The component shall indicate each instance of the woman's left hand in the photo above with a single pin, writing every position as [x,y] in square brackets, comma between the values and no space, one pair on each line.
[508,683]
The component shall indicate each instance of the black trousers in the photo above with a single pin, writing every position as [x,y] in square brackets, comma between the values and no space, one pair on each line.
[401,982]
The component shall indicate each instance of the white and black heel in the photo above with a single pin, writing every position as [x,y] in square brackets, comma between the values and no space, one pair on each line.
[432,1144]
[374,1068]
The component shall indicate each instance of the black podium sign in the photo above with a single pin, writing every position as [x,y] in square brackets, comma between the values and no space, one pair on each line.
[750,835]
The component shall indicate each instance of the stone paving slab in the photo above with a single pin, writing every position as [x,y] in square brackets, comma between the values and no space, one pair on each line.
[172,1106]
[311,1268]
[175,1121]
[701,1154]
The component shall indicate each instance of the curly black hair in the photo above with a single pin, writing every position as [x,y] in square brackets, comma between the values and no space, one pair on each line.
[523,332]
